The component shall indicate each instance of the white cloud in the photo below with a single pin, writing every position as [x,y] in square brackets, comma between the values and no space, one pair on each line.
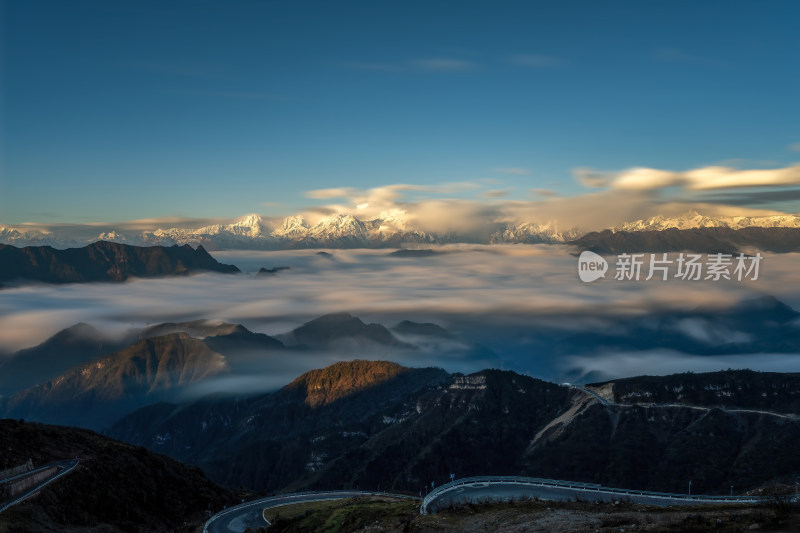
[705,178]
[495,193]
[795,147]
[517,171]
[328,194]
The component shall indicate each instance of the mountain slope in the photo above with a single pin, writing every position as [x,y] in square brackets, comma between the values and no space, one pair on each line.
[342,330]
[699,240]
[693,219]
[103,261]
[416,426]
[275,440]
[97,393]
[116,487]
[325,386]
[58,354]
[736,389]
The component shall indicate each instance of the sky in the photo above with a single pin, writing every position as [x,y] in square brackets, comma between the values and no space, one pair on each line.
[117,111]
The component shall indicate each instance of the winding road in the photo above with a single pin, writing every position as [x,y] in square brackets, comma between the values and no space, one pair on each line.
[605,401]
[64,468]
[499,488]
[250,514]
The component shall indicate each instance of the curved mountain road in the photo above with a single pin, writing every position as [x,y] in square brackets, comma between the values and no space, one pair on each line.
[65,467]
[250,514]
[496,488]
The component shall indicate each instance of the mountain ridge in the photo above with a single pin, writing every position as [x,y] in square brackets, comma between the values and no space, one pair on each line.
[104,261]
[387,230]
[488,422]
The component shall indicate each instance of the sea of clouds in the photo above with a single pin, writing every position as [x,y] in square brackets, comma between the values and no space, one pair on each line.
[487,294]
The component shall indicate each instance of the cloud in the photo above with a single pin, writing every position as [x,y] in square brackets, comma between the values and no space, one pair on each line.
[795,147]
[328,194]
[747,198]
[495,193]
[517,171]
[664,362]
[548,193]
[535,60]
[496,295]
[705,178]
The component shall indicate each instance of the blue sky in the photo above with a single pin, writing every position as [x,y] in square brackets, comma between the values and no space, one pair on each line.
[115,111]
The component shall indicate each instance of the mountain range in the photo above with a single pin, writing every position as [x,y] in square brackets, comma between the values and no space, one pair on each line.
[78,377]
[376,424]
[348,231]
[82,377]
[103,261]
[705,240]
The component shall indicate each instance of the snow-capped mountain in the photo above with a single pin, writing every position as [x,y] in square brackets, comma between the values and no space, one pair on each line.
[693,219]
[531,233]
[390,229]
[248,232]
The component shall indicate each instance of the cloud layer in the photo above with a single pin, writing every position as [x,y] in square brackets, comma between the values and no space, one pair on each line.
[700,179]
[495,295]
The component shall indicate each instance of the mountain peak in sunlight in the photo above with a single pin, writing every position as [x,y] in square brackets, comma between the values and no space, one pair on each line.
[326,385]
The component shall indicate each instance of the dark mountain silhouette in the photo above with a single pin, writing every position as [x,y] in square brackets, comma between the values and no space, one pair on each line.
[413,426]
[406,252]
[82,343]
[700,240]
[271,271]
[58,354]
[95,394]
[244,350]
[428,329]
[103,261]
[735,389]
[116,487]
[342,330]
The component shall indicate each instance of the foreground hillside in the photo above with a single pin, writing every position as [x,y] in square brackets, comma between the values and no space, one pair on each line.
[116,487]
[400,429]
